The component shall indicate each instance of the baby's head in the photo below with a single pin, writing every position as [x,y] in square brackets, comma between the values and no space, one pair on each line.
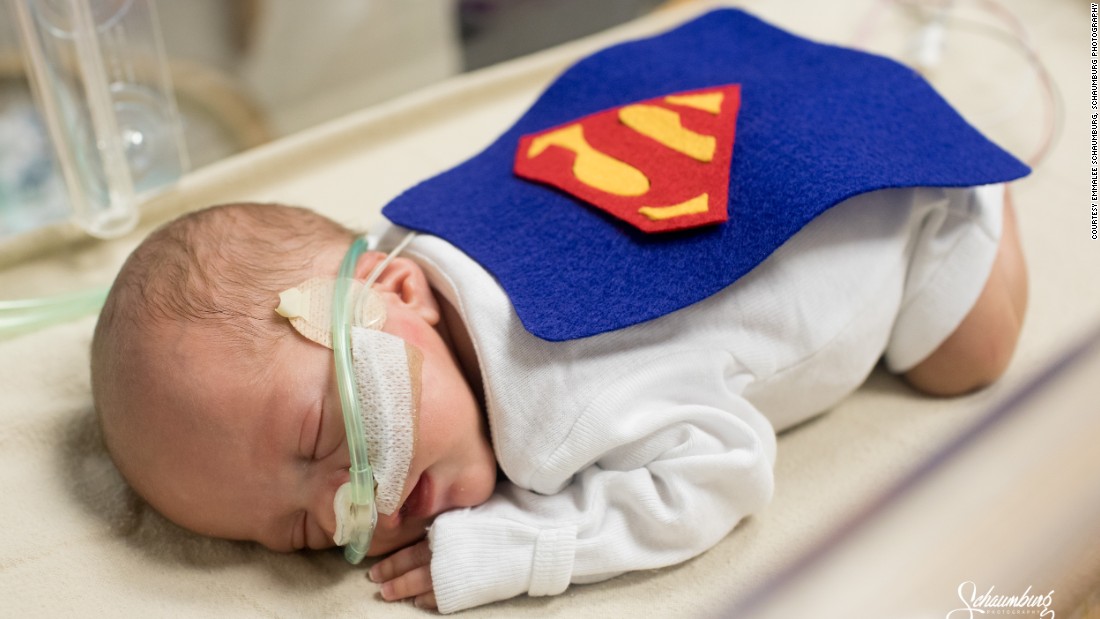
[229,422]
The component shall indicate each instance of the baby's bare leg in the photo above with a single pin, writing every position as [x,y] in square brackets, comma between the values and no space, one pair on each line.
[978,351]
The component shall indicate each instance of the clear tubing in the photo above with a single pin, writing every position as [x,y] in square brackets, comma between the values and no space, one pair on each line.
[100,77]
[21,316]
[117,215]
[361,473]
[362,477]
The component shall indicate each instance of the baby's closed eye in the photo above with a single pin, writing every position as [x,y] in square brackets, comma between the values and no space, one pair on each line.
[330,432]
[310,433]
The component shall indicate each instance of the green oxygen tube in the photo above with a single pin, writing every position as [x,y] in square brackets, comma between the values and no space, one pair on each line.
[364,511]
[19,316]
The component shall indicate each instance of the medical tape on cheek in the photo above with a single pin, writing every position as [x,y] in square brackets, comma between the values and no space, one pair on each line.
[387,374]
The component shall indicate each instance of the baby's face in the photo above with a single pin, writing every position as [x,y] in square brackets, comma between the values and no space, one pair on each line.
[260,457]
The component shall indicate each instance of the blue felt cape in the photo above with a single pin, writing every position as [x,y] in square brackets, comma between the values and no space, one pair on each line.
[817,124]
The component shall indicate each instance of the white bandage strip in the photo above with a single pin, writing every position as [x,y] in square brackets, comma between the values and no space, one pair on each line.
[387,375]
[388,379]
[387,372]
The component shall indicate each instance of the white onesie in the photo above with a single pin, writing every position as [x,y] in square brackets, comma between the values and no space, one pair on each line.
[643,447]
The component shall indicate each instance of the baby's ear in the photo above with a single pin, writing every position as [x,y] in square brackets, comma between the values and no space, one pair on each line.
[405,279]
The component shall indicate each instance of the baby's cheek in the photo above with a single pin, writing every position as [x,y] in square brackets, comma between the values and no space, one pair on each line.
[475,487]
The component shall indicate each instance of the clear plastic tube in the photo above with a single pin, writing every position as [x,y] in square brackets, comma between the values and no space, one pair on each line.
[362,476]
[99,73]
[364,510]
[21,316]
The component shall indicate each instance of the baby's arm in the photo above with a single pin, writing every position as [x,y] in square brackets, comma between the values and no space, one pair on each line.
[655,471]
[978,351]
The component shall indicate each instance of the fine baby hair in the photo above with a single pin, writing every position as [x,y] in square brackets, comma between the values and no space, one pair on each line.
[222,266]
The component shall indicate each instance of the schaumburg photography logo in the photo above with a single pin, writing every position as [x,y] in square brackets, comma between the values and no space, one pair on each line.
[992,602]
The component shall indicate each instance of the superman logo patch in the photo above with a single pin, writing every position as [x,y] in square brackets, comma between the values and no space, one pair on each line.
[660,165]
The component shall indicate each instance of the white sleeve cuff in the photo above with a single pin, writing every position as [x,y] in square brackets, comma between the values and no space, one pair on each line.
[553,562]
[477,560]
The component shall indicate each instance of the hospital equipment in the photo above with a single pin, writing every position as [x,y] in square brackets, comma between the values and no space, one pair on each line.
[364,510]
[356,314]
[99,74]
[25,315]
[100,78]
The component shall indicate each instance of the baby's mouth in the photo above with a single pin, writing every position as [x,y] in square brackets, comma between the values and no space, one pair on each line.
[419,502]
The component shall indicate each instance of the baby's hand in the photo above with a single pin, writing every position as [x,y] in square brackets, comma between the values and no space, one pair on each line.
[407,574]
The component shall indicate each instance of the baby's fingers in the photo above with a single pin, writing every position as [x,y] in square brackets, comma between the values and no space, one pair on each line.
[415,583]
[407,573]
[402,561]
[426,601]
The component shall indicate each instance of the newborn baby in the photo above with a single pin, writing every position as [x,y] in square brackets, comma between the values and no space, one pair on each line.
[688,243]
[228,422]
[629,450]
